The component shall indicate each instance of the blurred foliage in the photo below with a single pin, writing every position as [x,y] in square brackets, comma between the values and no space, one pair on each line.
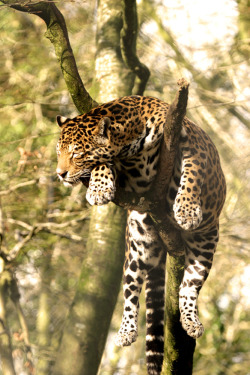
[32,93]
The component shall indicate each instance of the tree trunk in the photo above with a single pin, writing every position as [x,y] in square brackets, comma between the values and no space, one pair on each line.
[178,346]
[113,77]
[89,318]
[99,283]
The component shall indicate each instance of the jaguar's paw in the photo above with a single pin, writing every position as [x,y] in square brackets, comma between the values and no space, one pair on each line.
[99,197]
[125,338]
[188,215]
[192,326]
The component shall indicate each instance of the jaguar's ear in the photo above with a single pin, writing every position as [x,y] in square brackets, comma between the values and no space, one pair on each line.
[61,120]
[102,134]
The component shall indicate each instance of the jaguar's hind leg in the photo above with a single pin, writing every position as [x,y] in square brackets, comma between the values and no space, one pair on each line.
[200,249]
[143,253]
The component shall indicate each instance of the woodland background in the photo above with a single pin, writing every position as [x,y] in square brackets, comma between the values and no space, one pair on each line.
[45,226]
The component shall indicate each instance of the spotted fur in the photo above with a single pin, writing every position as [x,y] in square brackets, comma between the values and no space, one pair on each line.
[118,143]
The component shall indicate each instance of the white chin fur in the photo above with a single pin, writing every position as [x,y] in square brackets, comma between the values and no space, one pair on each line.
[67,184]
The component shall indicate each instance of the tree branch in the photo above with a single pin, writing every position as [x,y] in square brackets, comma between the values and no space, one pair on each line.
[22,184]
[154,201]
[58,35]
[46,227]
[128,45]
[179,347]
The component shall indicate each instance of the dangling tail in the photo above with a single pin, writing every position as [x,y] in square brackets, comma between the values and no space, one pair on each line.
[155,297]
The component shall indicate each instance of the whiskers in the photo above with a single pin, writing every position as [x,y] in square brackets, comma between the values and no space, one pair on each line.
[77,177]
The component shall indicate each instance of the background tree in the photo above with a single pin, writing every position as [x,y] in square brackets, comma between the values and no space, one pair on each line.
[100,278]
[36,209]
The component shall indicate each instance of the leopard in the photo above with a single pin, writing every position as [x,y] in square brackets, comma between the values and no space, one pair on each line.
[118,144]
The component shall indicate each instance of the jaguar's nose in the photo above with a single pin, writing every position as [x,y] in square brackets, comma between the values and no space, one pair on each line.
[61,174]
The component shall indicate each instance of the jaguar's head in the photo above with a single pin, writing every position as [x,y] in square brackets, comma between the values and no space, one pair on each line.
[84,143]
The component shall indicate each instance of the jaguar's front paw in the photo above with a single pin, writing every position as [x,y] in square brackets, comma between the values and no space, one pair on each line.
[124,338]
[99,197]
[187,214]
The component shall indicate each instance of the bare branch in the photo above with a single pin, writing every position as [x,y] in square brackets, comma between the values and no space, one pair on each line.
[50,225]
[128,45]
[45,227]
[20,223]
[18,246]
[22,184]
[72,237]
[58,35]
